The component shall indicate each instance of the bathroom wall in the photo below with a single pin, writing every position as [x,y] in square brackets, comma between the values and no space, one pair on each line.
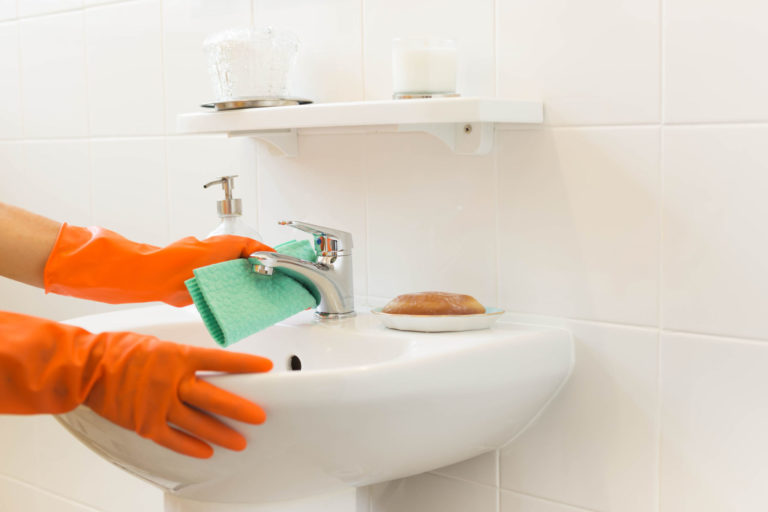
[634,217]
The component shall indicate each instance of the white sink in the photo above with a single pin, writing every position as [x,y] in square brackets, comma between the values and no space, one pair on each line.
[368,405]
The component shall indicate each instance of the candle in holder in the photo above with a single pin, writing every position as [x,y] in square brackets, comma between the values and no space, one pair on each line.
[423,67]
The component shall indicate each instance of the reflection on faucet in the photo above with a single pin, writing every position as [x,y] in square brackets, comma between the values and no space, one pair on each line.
[329,279]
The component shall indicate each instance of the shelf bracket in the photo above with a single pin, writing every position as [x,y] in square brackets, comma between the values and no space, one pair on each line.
[461,138]
[285,142]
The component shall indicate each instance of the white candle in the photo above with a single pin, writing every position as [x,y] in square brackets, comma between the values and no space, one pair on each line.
[423,65]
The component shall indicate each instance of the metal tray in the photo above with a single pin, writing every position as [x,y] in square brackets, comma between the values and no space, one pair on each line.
[263,102]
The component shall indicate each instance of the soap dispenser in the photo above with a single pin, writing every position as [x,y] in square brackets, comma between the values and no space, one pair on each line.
[231,212]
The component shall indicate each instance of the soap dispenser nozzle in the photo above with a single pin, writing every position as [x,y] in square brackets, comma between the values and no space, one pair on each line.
[228,206]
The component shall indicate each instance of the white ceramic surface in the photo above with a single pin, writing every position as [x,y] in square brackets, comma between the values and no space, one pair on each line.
[38,7]
[715,278]
[7,9]
[125,99]
[53,73]
[10,85]
[710,50]
[713,424]
[592,62]
[369,405]
[596,445]
[579,223]
[424,207]
[127,173]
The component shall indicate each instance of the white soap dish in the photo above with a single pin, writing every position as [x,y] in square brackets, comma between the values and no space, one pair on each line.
[439,323]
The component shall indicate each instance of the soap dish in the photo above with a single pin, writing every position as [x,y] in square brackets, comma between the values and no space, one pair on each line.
[439,323]
[255,102]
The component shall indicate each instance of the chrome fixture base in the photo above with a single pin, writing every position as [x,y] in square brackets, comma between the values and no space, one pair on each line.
[329,279]
[423,95]
[333,316]
[238,103]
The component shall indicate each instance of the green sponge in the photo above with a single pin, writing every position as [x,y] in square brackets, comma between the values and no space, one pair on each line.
[235,302]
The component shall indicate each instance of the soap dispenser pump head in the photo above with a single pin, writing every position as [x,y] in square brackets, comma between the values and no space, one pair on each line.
[228,206]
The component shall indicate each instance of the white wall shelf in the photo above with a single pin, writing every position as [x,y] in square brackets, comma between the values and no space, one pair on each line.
[465,125]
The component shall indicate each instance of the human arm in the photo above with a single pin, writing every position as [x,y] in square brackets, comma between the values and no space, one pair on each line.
[26,240]
[98,264]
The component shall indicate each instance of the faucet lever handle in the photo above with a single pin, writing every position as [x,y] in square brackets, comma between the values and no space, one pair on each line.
[327,240]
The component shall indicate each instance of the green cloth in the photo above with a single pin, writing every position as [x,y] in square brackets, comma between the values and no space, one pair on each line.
[235,301]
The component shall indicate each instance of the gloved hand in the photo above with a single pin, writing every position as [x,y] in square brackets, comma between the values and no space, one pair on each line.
[98,264]
[133,380]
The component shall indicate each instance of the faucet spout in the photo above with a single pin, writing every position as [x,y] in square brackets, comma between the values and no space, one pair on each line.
[328,280]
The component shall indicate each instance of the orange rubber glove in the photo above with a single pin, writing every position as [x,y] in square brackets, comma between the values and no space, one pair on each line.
[98,264]
[133,380]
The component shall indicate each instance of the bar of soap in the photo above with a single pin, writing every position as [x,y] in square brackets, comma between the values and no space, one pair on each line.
[434,303]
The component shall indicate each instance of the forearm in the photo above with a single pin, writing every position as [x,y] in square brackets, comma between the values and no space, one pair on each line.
[26,240]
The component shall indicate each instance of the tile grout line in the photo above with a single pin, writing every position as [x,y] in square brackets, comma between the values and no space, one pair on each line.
[164,115]
[358,130]
[459,479]
[44,491]
[362,50]
[65,11]
[548,500]
[660,279]
[497,258]
[660,255]
[536,316]
[21,79]
[88,138]
[495,33]
[498,479]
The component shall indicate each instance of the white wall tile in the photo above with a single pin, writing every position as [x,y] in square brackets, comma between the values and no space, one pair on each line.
[430,218]
[11,171]
[469,23]
[714,241]
[130,188]
[428,493]
[37,7]
[329,62]
[7,9]
[195,161]
[17,496]
[10,81]
[17,444]
[50,178]
[40,452]
[595,445]
[593,62]
[516,502]
[125,68]
[55,181]
[481,469]
[579,223]
[89,3]
[70,469]
[711,55]
[22,298]
[324,185]
[53,76]
[713,425]
[186,23]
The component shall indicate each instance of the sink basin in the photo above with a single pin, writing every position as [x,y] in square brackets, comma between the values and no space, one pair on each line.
[369,404]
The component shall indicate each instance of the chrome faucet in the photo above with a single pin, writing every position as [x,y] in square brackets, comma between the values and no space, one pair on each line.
[329,278]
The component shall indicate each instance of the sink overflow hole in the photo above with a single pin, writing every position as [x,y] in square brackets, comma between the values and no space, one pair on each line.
[294,363]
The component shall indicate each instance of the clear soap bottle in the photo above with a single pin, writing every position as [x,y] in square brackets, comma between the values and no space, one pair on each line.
[231,212]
